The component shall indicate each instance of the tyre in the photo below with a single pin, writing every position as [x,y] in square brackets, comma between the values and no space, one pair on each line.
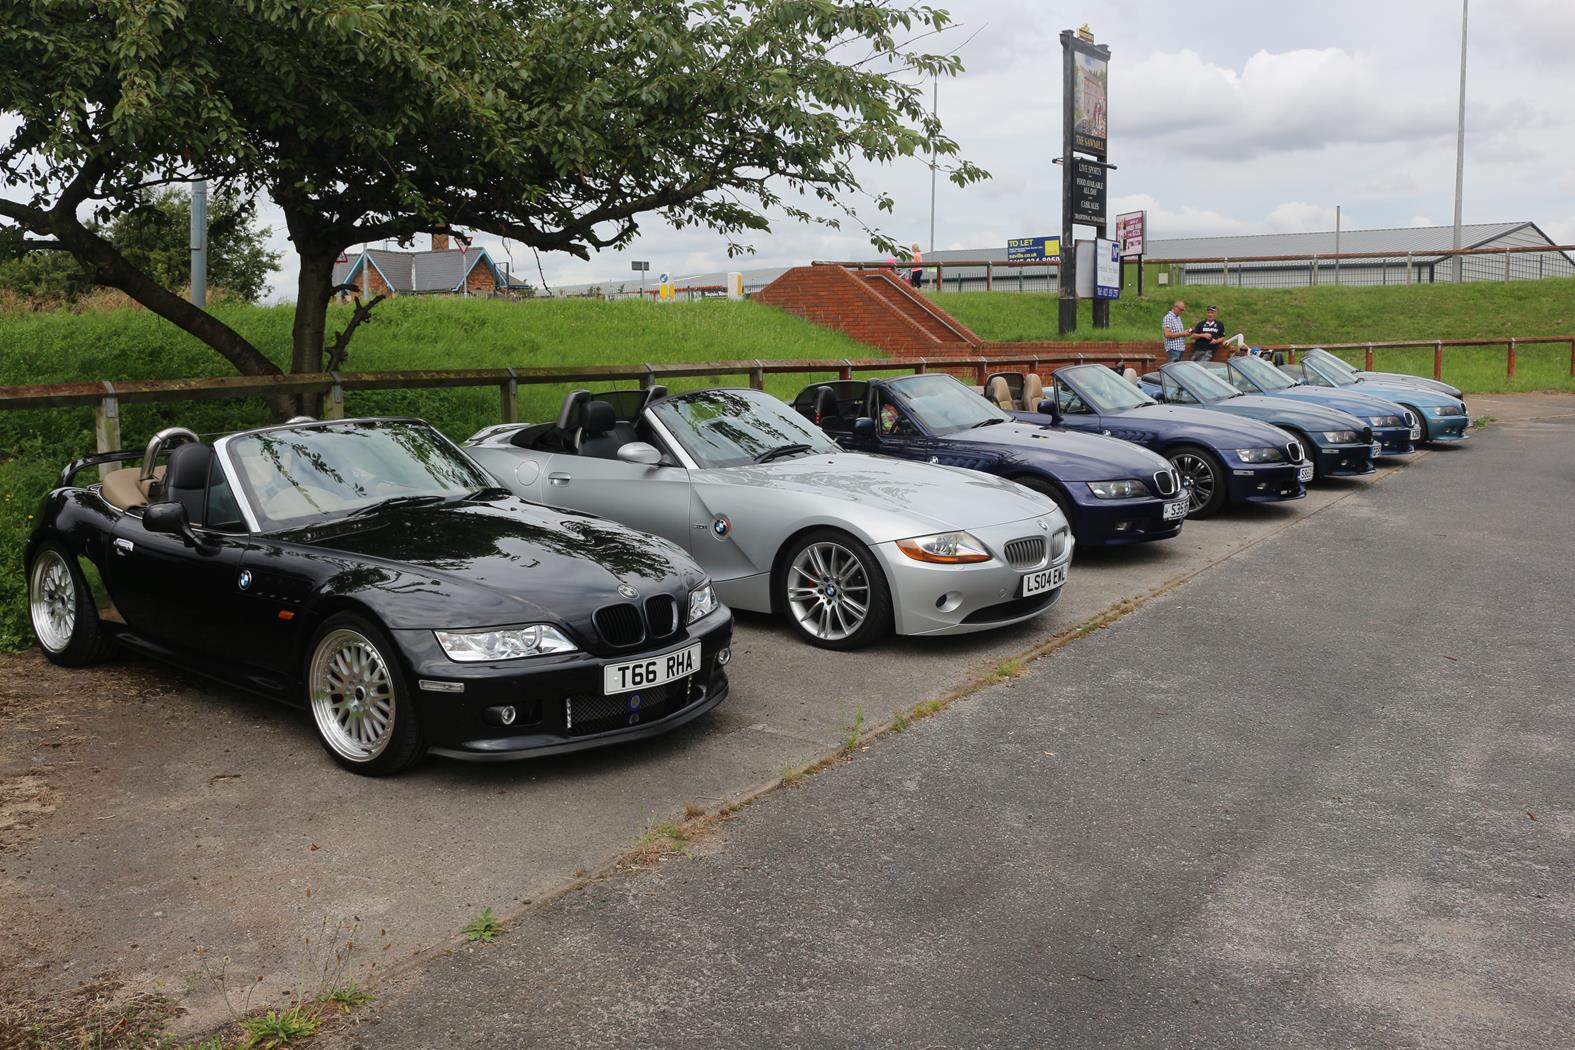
[832,591]
[1200,469]
[60,606]
[1054,493]
[360,701]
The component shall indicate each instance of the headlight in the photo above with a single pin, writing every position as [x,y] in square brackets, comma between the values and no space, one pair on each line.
[1340,437]
[948,548]
[1118,489]
[1446,410]
[508,643]
[702,602]
[1386,421]
[1260,455]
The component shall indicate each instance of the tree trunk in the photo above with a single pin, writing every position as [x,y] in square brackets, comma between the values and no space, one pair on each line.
[313,289]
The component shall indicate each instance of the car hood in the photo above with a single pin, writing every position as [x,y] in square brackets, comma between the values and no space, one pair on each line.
[1069,455]
[1344,400]
[485,564]
[936,498]
[1219,429]
[1411,395]
[1283,412]
[1420,382]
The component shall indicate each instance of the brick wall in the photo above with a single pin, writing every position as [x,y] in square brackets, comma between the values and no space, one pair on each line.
[480,281]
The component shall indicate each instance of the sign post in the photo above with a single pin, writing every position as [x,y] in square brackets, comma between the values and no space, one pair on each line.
[642,266]
[1085,99]
[1130,231]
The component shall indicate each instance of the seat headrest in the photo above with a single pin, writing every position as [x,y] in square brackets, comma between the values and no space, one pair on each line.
[599,417]
[825,403]
[1130,375]
[997,391]
[188,467]
[1033,390]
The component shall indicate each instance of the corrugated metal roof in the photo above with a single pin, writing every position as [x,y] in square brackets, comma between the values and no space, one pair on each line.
[1419,240]
[428,271]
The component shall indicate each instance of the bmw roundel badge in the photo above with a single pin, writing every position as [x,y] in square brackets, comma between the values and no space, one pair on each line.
[628,591]
[721,526]
[244,580]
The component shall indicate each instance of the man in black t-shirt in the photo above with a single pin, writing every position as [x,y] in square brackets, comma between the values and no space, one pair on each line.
[1208,334]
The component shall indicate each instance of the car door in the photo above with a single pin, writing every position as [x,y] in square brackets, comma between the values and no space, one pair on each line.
[1075,412]
[651,498]
[170,592]
[898,434]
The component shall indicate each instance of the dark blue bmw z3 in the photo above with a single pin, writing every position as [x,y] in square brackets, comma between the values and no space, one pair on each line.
[1221,458]
[1111,492]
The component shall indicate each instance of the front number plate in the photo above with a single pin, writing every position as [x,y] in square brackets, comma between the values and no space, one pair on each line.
[1043,580]
[1378,450]
[1304,473]
[1176,510]
[657,670]
[1416,433]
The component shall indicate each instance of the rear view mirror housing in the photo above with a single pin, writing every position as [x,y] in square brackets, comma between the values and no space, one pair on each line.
[864,427]
[640,452]
[170,519]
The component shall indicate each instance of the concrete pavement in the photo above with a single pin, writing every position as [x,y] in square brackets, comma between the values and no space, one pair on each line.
[1340,817]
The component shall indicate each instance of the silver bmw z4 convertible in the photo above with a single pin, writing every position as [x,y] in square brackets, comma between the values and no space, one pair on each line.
[847,547]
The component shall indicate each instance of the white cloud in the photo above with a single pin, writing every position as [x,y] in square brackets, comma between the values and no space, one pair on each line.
[1416,222]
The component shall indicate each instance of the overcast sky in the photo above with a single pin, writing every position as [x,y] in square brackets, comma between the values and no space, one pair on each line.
[1226,116]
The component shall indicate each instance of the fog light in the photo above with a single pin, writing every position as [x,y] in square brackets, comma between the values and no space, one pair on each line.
[724,655]
[949,601]
[1123,526]
[508,715]
[1263,486]
[500,716]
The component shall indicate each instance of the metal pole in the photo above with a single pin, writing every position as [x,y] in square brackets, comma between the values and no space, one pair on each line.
[199,243]
[935,98]
[1460,135]
[1336,244]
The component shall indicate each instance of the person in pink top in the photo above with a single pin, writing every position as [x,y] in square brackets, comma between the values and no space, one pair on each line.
[916,275]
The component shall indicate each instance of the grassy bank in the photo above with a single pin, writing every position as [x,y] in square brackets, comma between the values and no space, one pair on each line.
[1329,314]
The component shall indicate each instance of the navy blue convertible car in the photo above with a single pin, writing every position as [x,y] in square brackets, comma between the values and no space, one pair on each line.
[1110,491]
[1219,458]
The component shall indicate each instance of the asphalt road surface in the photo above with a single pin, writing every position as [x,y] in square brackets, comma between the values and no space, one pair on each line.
[1319,796]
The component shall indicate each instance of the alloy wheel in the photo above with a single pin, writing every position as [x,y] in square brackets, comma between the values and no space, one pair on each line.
[352,695]
[52,601]
[1197,472]
[828,591]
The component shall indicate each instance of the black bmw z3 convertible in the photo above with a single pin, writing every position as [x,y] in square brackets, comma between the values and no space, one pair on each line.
[369,571]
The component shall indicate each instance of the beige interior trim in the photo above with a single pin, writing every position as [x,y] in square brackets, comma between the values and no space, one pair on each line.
[122,489]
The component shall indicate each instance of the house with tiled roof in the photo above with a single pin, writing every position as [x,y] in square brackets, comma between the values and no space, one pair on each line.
[448,268]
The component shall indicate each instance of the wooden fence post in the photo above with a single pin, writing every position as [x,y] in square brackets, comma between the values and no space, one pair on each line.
[923,366]
[106,427]
[1506,265]
[989,276]
[757,375]
[980,370]
[1438,359]
[334,403]
[1408,269]
[1512,359]
[509,398]
[1369,357]
[940,278]
[648,380]
[845,373]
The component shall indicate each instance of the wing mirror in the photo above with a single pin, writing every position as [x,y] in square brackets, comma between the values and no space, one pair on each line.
[640,452]
[1054,408]
[169,518]
[864,427]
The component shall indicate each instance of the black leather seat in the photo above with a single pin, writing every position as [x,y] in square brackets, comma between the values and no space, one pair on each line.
[828,412]
[601,432]
[186,479]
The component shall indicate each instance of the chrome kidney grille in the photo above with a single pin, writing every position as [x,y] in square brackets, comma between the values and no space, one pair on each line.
[1294,450]
[1167,483]
[1026,553]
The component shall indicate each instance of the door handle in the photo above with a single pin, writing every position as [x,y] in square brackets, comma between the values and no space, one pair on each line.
[559,478]
[123,546]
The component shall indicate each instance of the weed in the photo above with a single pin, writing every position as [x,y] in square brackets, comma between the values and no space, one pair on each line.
[899,722]
[345,995]
[850,739]
[926,709]
[1481,421]
[483,927]
[273,1029]
[1006,670]
[792,775]
[693,811]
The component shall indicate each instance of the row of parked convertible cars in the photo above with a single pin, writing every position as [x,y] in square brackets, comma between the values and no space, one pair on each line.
[568,584]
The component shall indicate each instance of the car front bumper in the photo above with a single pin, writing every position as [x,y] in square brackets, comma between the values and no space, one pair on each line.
[1394,441]
[1117,522]
[1447,428]
[559,702]
[931,599]
[1263,483]
[1344,461]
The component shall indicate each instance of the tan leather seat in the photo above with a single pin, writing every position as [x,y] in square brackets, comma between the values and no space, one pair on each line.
[1000,393]
[1033,392]
[1131,376]
[122,489]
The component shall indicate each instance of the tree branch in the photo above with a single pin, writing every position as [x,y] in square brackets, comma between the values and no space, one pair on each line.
[335,352]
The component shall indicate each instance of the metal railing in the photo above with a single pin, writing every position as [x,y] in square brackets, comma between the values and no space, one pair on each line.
[1516,263]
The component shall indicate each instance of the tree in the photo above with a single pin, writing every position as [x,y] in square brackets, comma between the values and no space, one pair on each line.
[556,123]
[156,239]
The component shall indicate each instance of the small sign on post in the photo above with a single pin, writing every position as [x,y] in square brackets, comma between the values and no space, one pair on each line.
[1032,249]
[642,266]
[664,288]
[735,286]
[1130,232]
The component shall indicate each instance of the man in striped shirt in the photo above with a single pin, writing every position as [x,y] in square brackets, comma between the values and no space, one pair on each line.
[1175,343]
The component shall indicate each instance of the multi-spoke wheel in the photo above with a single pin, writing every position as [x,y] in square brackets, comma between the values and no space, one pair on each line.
[65,621]
[363,714]
[833,592]
[1204,478]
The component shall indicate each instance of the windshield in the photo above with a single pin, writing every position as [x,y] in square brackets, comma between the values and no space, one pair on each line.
[1104,390]
[943,405]
[729,428]
[294,475]
[1321,374]
[1201,383]
[1260,373]
[1327,362]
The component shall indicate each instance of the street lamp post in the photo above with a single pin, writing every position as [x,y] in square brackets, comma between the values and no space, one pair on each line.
[1460,135]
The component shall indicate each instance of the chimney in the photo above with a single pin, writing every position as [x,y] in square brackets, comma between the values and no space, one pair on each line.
[440,242]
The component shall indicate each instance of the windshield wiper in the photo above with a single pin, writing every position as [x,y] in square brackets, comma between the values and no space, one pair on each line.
[782,450]
[985,423]
[488,493]
[394,501]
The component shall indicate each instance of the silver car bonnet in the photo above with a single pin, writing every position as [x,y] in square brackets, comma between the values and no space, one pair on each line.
[889,499]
